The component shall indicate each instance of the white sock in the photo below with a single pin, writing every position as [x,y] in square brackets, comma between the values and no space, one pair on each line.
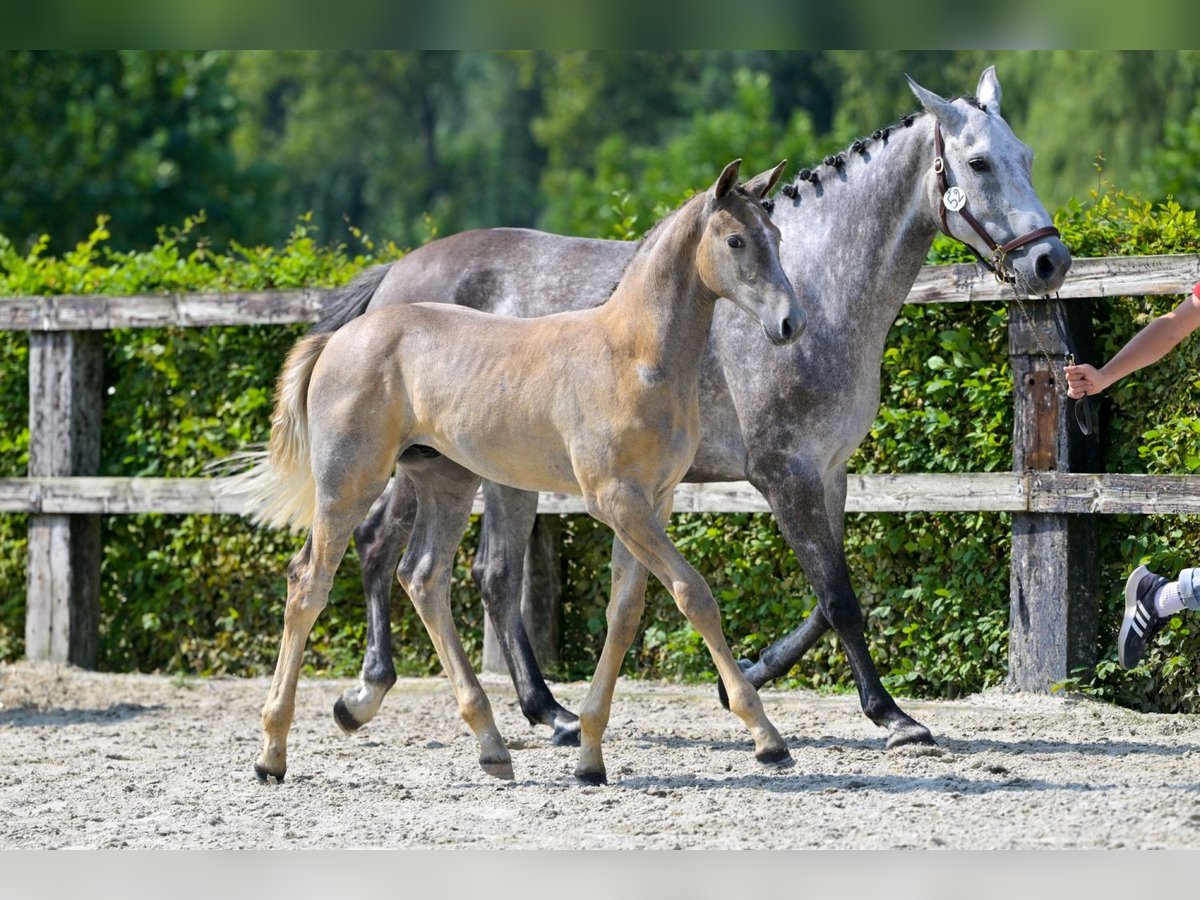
[1167,600]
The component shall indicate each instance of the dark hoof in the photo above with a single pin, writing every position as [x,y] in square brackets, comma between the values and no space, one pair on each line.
[909,733]
[745,665]
[586,776]
[566,734]
[344,718]
[501,768]
[265,776]
[776,759]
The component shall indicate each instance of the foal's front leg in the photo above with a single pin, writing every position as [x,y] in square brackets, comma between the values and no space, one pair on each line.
[640,530]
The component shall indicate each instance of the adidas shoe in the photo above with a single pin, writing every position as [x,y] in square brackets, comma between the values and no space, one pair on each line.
[1141,622]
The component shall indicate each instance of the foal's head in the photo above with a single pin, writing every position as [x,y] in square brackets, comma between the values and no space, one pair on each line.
[738,254]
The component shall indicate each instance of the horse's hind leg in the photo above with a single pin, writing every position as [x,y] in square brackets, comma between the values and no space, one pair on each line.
[498,572]
[380,538]
[445,492]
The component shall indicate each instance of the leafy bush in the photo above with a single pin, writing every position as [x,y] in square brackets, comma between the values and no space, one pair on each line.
[204,594]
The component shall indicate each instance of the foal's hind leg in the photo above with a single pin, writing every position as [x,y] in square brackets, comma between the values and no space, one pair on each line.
[444,495]
[640,531]
[380,539]
[310,575]
[499,572]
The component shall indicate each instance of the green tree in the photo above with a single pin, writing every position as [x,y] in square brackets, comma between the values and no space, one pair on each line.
[140,136]
[401,143]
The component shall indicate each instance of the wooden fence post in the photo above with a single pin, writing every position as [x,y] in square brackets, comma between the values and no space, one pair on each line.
[66,383]
[541,590]
[1052,586]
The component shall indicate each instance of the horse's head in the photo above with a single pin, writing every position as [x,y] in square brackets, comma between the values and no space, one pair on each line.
[738,256]
[983,194]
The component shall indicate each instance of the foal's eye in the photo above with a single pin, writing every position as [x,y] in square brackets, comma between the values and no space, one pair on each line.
[735,241]
[979,164]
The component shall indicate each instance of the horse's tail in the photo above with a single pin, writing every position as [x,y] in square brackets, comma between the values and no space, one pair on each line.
[351,301]
[276,485]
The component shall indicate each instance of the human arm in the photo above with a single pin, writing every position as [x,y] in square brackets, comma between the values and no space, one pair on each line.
[1148,346]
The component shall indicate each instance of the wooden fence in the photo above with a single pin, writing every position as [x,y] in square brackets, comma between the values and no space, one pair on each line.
[1053,490]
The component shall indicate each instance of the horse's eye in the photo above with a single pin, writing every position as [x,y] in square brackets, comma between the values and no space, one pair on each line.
[735,241]
[979,164]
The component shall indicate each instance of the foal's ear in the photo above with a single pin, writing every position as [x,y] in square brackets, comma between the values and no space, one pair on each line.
[760,185]
[943,110]
[727,182]
[988,92]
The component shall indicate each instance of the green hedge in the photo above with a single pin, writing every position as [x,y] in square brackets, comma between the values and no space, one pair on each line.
[202,594]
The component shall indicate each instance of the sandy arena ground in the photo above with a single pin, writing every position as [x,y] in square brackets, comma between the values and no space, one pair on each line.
[105,761]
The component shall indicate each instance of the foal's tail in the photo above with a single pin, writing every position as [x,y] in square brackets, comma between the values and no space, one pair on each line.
[276,485]
[351,301]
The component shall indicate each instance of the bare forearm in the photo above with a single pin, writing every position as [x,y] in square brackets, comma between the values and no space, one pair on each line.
[1148,346]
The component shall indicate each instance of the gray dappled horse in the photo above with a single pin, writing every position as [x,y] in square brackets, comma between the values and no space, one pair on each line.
[856,232]
[601,402]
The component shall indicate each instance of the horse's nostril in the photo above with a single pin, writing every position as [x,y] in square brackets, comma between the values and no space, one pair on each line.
[1044,267]
[787,329]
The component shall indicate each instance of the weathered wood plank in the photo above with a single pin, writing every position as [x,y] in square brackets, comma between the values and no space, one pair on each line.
[66,380]
[1040,492]
[196,310]
[1064,492]
[1052,581]
[960,283]
[1108,276]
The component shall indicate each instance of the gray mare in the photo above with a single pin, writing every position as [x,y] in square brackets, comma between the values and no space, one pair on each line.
[857,230]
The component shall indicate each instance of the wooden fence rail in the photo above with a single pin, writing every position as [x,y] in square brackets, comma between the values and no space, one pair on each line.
[1053,492]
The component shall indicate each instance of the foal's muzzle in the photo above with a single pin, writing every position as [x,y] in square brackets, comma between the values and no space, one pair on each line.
[787,329]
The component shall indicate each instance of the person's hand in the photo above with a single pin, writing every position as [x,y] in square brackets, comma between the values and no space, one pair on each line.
[1083,380]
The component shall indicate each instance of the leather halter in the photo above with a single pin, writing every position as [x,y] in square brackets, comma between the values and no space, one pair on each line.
[999,251]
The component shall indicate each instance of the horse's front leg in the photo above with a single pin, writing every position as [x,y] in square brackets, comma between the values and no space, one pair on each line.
[498,573]
[381,539]
[798,498]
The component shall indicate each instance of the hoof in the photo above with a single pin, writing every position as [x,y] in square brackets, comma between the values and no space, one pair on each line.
[776,759]
[566,734]
[500,768]
[745,665]
[265,775]
[909,733]
[344,718]
[591,777]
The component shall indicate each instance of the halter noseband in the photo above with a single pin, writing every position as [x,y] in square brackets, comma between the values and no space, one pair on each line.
[999,251]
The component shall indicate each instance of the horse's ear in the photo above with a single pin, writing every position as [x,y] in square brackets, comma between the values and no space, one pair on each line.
[988,92]
[942,109]
[727,182]
[760,185]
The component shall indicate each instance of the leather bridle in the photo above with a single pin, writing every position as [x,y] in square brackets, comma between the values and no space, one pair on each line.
[1085,416]
[996,265]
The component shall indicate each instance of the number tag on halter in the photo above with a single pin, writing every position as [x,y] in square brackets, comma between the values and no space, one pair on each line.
[955,198]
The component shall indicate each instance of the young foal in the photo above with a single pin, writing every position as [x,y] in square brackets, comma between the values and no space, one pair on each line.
[602,403]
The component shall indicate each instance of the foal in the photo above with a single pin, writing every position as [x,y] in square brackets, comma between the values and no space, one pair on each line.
[602,403]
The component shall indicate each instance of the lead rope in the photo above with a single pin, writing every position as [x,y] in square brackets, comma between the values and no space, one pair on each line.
[1085,416]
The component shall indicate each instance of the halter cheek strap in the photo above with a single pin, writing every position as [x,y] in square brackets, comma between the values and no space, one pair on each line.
[999,251]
